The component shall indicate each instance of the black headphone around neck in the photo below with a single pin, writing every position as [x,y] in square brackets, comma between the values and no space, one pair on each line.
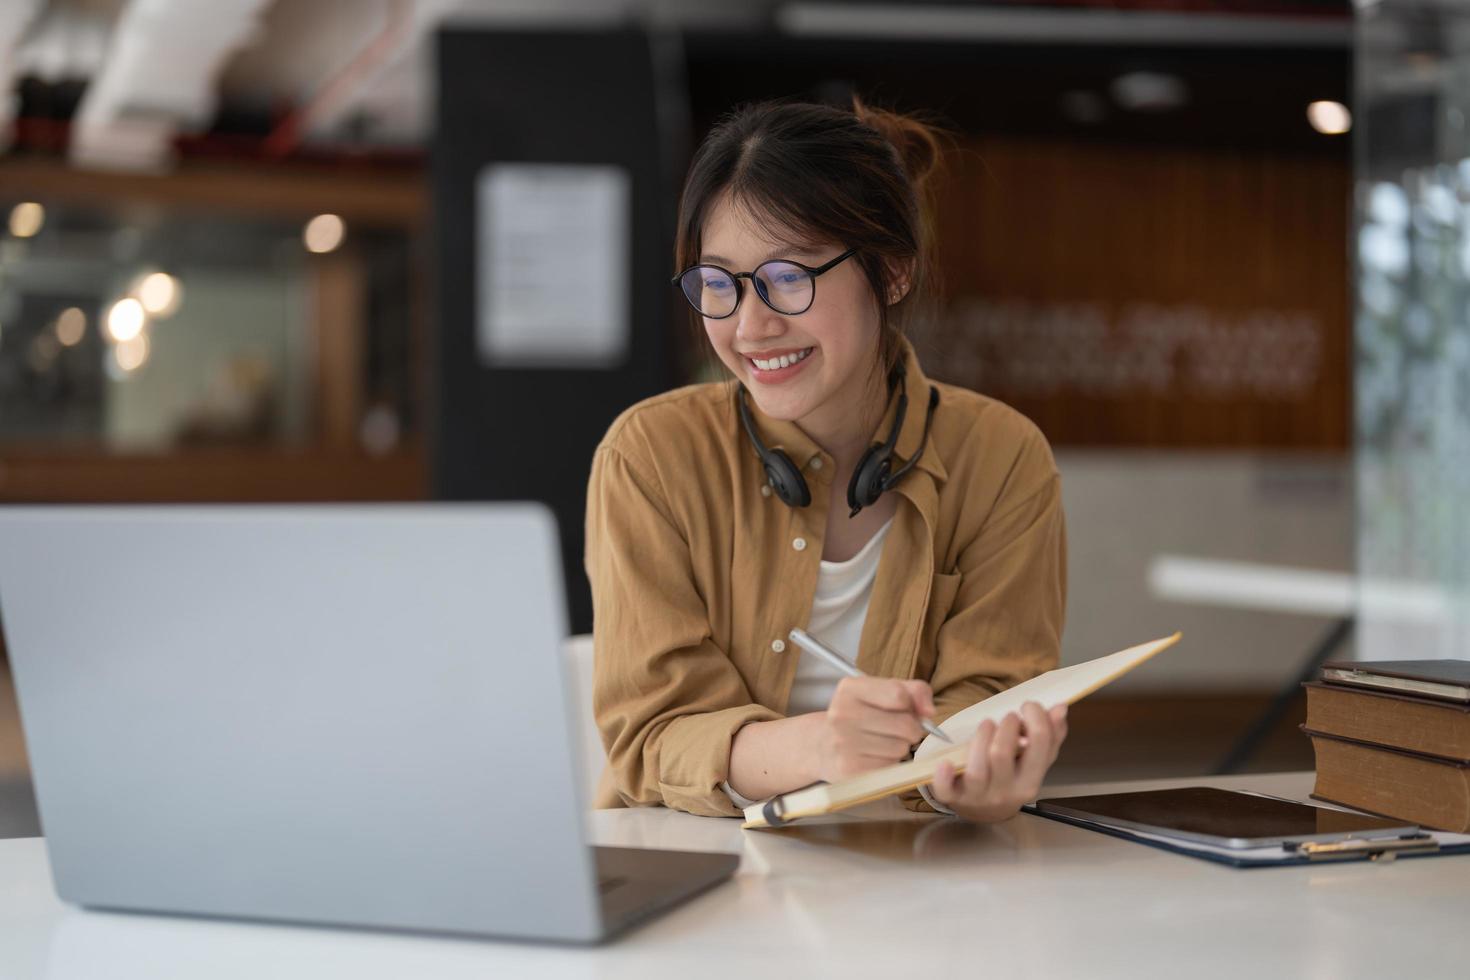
[871,478]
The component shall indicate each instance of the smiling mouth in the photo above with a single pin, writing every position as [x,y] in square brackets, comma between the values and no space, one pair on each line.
[782,361]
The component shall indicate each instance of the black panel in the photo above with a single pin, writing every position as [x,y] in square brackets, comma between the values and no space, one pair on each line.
[1237,98]
[542,97]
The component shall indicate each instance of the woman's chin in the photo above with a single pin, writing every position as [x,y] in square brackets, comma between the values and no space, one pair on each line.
[780,406]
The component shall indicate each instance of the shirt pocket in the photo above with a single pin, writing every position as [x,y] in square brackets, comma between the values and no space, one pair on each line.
[942,594]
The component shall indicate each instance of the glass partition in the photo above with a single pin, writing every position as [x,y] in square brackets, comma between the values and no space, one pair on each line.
[1412,367]
[131,329]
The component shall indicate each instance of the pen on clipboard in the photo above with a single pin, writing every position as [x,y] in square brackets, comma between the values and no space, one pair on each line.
[816,648]
[1376,848]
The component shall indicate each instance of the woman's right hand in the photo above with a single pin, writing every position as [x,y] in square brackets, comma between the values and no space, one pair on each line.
[871,722]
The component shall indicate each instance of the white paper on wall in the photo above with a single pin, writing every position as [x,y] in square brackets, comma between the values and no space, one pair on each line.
[552,243]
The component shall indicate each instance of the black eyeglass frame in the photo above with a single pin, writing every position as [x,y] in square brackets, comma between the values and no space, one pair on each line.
[813,271]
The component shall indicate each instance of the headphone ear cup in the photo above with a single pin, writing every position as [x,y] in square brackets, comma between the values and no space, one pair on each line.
[782,475]
[868,478]
[785,479]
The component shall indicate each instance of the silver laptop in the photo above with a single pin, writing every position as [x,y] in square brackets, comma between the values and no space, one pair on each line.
[352,715]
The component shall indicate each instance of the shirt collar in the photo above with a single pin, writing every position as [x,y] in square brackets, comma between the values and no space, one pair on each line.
[788,436]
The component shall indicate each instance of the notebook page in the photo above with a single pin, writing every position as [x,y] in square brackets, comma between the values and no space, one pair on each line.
[1061,686]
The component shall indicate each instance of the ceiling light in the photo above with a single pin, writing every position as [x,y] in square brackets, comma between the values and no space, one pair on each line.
[1149,91]
[71,326]
[1329,118]
[159,294]
[26,219]
[125,320]
[324,233]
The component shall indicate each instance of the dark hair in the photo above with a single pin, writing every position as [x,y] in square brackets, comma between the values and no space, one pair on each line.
[827,175]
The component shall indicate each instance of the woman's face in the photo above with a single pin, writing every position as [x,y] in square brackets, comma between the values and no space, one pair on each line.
[838,335]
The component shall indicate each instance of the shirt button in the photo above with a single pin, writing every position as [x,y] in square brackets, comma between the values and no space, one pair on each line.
[778,645]
[799,544]
[816,462]
[765,489]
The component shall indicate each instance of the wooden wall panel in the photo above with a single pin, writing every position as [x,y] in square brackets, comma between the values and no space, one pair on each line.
[1148,296]
[373,199]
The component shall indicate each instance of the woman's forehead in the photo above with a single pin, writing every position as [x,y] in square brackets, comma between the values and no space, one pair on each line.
[736,233]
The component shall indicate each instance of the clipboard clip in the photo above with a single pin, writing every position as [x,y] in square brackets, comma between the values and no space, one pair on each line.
[1374,850]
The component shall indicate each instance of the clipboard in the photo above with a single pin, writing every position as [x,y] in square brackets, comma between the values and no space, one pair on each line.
[1431,843]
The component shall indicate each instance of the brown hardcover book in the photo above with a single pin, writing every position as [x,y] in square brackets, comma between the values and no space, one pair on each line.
[1397,721]
[1448,679]
[1431,792]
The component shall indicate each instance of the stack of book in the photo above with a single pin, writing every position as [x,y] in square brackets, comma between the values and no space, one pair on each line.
[1393,738]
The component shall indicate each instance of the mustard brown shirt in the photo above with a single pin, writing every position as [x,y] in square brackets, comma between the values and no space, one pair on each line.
[697,575]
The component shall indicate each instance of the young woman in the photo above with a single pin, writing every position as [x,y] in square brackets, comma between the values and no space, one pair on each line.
[913,525]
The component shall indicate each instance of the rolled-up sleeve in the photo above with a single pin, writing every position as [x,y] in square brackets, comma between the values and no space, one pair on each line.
[667,699]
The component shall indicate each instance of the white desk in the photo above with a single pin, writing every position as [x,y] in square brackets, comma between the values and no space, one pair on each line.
[908,897]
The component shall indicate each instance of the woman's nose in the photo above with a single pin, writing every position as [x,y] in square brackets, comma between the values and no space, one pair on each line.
[757,321]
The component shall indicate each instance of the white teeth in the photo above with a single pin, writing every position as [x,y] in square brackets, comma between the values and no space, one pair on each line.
[785,360]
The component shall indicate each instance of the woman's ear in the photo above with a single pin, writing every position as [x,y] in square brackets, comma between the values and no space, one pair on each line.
[901,275]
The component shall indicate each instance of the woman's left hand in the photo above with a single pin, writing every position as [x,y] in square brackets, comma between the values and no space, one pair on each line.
[1003,769]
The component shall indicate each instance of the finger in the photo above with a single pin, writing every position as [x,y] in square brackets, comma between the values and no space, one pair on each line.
[943,786]
[921,696]
[1038,737]
[977,765]
[891,724]
[1037,759]
[887,693]
[1002,754]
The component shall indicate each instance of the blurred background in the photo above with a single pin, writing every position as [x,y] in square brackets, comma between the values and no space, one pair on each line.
[317,250]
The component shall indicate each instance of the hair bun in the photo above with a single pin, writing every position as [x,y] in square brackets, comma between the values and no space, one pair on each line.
[917,142]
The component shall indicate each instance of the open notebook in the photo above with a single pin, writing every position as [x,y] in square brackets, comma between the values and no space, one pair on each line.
[1063,685]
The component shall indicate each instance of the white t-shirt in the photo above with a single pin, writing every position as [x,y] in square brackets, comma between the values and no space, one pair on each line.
[839,608]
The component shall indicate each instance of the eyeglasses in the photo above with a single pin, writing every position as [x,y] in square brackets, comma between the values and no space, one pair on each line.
[786,286]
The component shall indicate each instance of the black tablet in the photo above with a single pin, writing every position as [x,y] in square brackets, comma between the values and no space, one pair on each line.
[1222,817]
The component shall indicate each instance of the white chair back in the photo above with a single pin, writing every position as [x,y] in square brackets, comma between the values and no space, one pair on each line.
[578,651]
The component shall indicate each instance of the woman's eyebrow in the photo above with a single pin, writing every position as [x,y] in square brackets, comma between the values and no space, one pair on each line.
[785,251]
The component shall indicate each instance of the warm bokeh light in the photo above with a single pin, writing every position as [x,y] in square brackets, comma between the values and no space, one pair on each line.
[131,354]
[159,293]
[71,326]
[1329,118]
[26,219]
[125,320]
[324,233]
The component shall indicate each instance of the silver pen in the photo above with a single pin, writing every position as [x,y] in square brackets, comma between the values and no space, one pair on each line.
[815,647]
